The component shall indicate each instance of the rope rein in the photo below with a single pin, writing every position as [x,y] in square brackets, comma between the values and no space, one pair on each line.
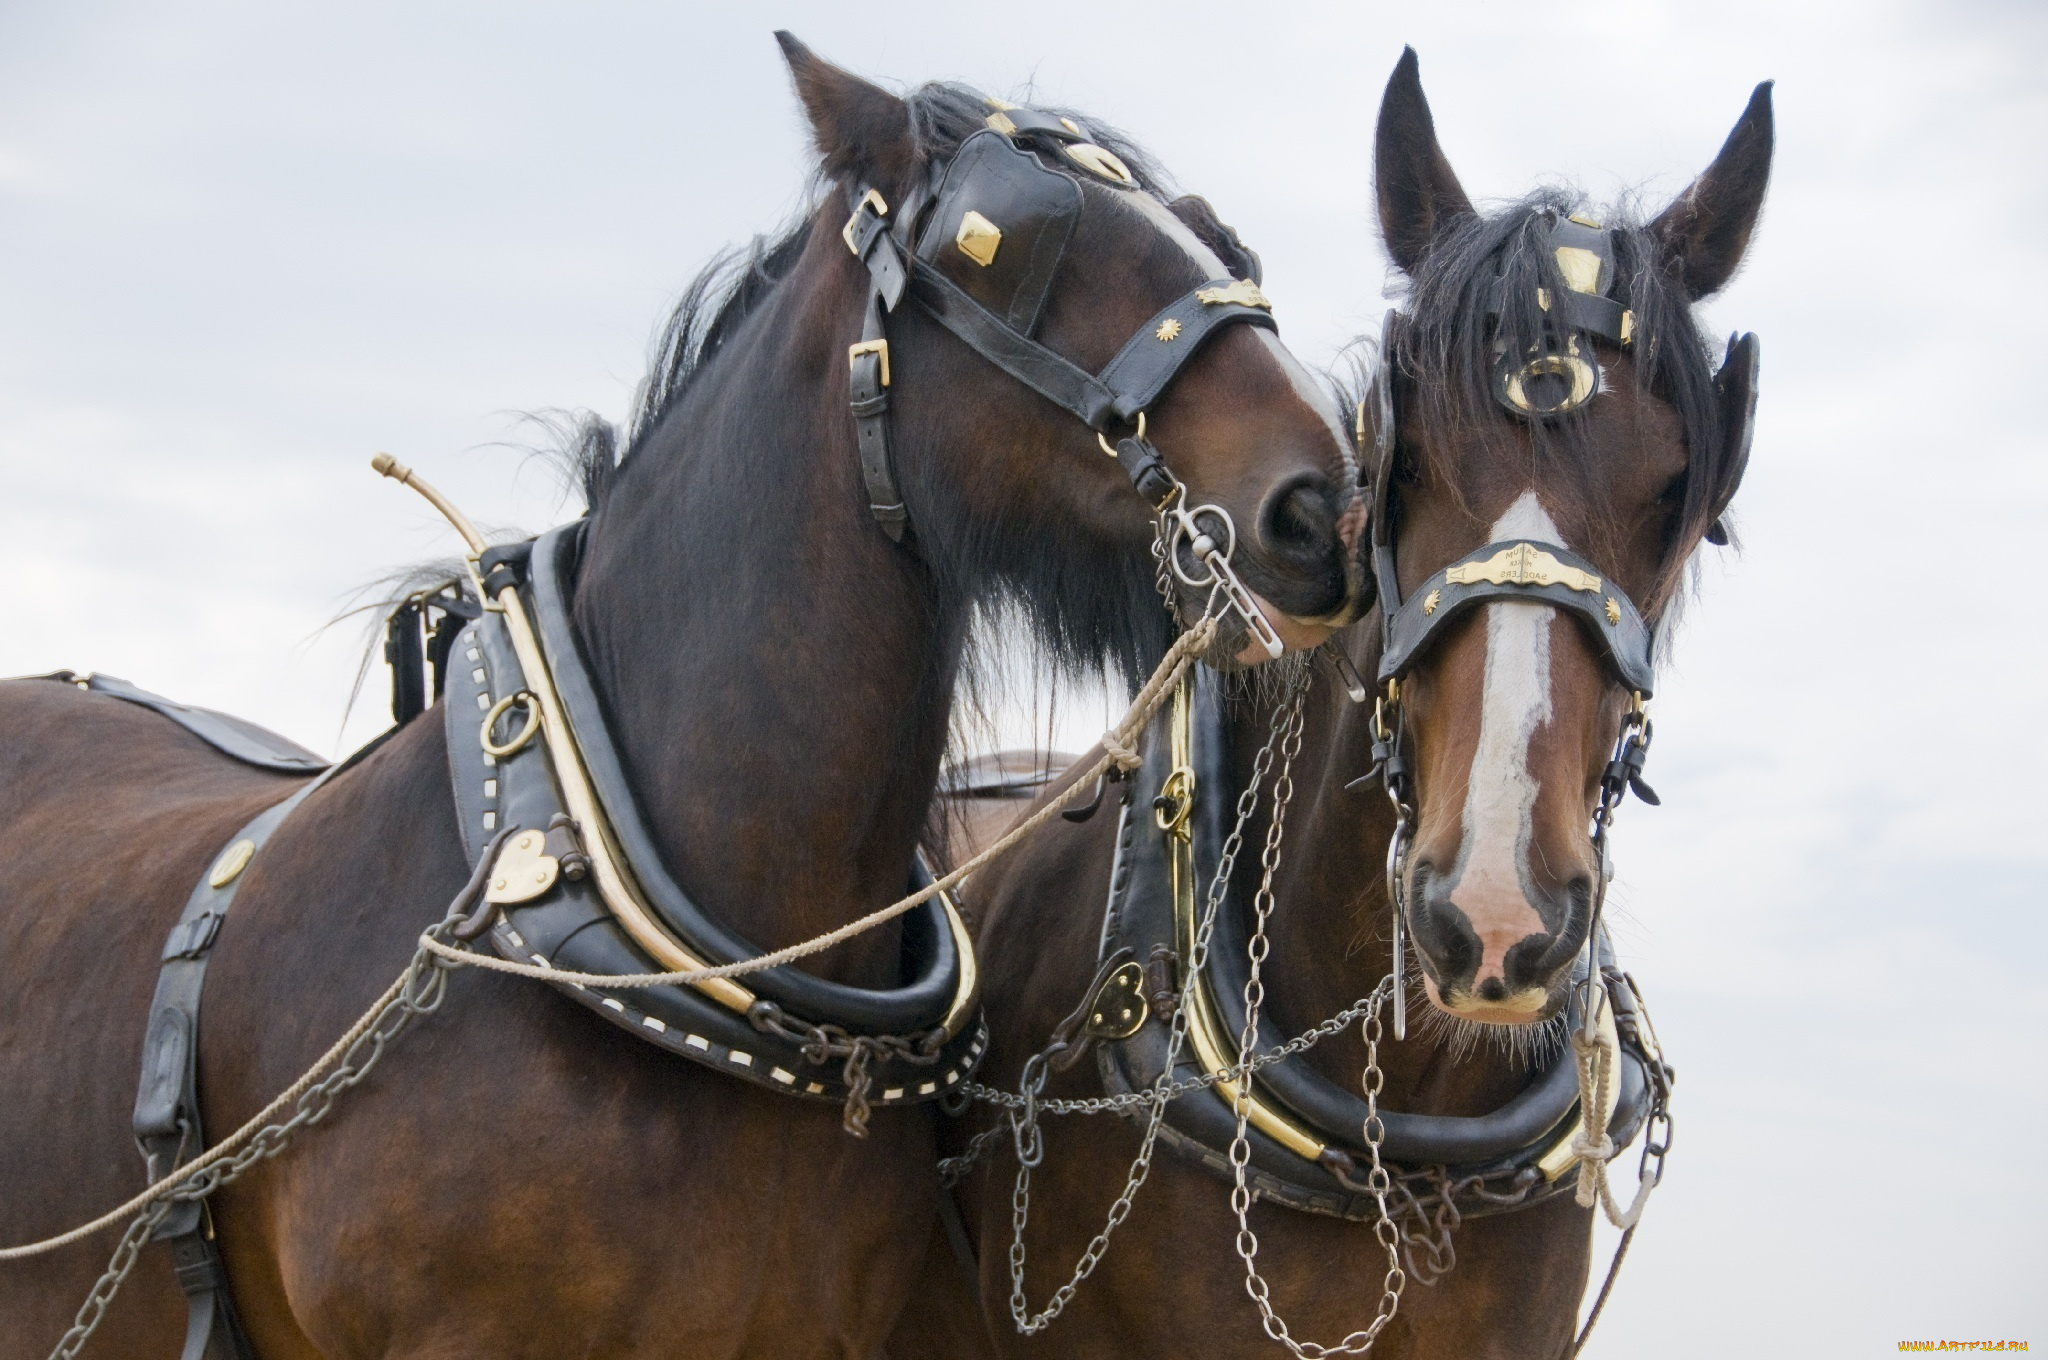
[435,954]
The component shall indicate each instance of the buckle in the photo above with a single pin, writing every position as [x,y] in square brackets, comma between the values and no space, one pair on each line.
[880,348]
[871,199]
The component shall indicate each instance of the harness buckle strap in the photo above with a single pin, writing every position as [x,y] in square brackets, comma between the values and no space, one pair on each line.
[878,348]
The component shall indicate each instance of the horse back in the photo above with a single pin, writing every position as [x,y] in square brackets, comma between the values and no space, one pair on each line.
[109,814]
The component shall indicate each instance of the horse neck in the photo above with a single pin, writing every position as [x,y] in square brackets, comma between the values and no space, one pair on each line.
[779,675]
[1331,927]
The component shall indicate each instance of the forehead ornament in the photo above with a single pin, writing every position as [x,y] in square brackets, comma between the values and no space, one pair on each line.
[1552,377]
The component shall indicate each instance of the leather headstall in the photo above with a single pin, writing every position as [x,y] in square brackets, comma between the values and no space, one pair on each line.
[780,1028]
[996,223]
[1307,1133]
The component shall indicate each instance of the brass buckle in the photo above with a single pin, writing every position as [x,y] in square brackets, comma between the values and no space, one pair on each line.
[871,198]
[877,347]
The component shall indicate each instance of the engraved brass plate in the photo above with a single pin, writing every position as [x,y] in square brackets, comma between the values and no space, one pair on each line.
[524,870]
[1243,292]
[1118,1009]
[1525,564]
[229,866]
[1580,267]
[978,238]
[1169,330]
[1097,161]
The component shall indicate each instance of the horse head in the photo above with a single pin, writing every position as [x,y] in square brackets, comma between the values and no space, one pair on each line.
[1043,245]
[1555,446]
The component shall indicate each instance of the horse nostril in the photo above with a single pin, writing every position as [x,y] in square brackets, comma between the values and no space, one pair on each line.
[1299,518]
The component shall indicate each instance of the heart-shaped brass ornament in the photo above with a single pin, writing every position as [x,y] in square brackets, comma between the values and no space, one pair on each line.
[524,870]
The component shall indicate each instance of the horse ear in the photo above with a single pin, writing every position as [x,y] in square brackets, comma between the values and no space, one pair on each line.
[862,131]
[1418,193]
[1199,217]
[1706,230]
[1735,392]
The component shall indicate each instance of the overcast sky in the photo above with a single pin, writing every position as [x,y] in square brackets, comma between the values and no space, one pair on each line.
[243,246]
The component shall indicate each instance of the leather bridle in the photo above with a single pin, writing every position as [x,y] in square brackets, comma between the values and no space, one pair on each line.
[1021,166]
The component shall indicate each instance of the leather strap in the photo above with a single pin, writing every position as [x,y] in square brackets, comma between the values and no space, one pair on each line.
[868,236]
[1624,639]
[166,1120]
[237,737]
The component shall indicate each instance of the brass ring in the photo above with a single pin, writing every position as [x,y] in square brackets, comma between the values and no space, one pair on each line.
[524,735]
[1103,439]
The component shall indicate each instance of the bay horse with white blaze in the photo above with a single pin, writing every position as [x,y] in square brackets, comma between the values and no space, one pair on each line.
[1547,443]
[768,606]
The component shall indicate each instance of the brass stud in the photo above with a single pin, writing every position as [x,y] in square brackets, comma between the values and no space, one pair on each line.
[1100,162]
[1430,602]
[978,238]
[1613,611]
[232,861]
[1169,330]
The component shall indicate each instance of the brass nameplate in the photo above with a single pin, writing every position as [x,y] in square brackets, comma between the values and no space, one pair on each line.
[1525,564]
[1243,292]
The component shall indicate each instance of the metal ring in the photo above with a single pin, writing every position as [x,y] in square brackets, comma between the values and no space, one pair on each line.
[524,735]
[1103,439]
[1186,528]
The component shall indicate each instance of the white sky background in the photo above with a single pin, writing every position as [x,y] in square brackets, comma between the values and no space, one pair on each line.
[243,246]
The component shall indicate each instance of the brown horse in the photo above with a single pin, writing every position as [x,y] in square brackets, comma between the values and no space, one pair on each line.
[519,1178]
[1508,721]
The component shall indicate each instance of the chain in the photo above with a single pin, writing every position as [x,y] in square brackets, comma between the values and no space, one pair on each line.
[424,985]
[1023,1117]
[1378,1181]
[110,1281]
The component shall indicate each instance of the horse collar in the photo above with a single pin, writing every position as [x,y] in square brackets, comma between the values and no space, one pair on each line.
[783,1029]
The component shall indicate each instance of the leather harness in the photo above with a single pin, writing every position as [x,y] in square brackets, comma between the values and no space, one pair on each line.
[1014,178]
[1494,1162]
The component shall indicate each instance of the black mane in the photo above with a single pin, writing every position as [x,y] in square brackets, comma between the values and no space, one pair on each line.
[1444,346]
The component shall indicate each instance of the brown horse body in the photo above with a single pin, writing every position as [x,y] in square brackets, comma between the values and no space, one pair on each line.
[1632,484]
[518,1178]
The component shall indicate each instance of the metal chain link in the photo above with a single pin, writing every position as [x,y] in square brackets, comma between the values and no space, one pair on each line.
[1378,1181]
[1023,1118]
[425,987]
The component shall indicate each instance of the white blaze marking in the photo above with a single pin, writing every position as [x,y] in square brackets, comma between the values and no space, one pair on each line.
[1500,796]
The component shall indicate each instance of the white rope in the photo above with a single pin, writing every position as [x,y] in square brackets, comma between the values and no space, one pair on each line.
[1118,744]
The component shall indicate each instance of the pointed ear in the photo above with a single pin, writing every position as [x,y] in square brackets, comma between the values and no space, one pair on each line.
[1735,391]
[862,131]
[1418,193]
[1706,230]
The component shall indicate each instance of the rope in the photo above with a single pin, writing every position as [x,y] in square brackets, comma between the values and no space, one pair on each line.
[227,1146]
[1117,745]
